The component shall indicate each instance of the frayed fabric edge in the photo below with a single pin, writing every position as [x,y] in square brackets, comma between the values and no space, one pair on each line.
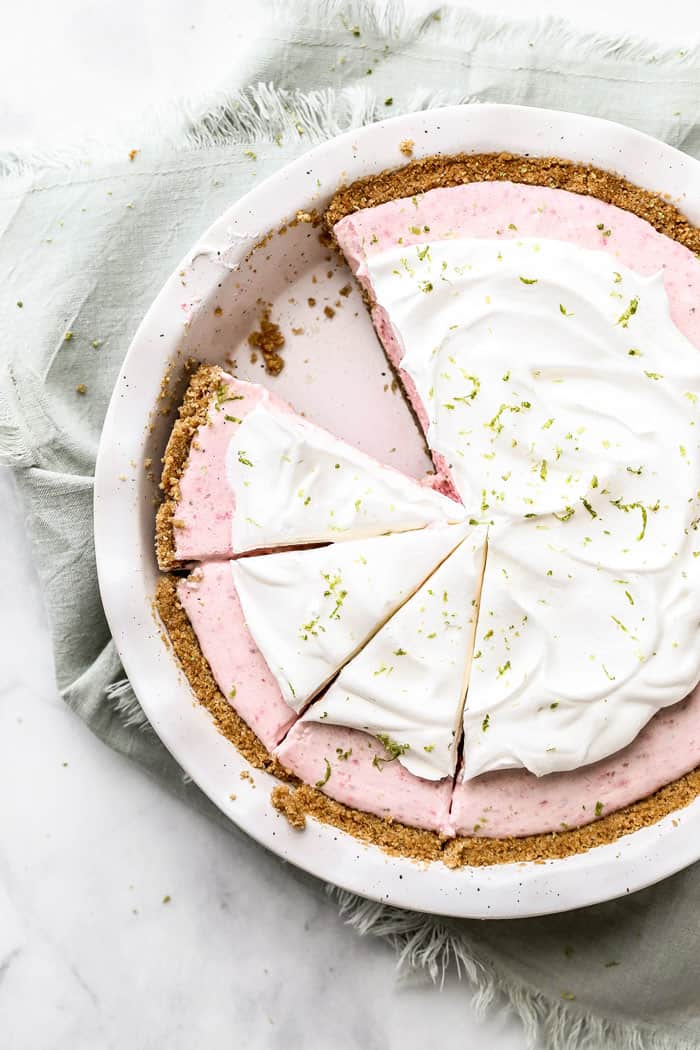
[435,947]
[267,113]
[125,702]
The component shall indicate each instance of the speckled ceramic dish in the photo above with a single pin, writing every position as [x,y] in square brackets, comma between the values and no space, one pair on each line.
[334,365]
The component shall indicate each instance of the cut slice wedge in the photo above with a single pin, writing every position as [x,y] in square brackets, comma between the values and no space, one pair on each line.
[243,473]
[296,484]
[310,611]
[407,686]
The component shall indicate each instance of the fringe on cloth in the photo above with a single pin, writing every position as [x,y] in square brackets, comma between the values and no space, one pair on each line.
[435,947]
[266,113]
[126,704]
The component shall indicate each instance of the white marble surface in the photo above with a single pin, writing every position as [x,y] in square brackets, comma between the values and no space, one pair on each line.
[242,955]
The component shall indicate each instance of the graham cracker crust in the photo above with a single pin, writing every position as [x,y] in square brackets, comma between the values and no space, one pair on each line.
[191,415]
[196,667]
[431,172]
[473,851]
[297,800]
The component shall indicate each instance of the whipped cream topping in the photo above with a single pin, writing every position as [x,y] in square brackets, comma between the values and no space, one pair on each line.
[310,611]
[565,402]
[295,483]
[572,657]
[407,686]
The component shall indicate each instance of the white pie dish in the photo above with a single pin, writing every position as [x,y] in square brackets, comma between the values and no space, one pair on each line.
[215,270]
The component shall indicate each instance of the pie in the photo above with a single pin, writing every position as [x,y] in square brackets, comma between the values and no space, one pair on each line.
[501,661]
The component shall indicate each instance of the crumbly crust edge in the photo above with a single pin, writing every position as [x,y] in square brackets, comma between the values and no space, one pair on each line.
[193,662]
[192,414]
[429,173]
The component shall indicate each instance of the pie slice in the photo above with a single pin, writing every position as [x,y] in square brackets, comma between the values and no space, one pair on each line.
[244,473]
[310,611]
[407,686]
[384,737]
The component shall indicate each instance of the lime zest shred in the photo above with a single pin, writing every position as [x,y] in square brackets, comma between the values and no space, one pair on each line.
[624,318]
[326,777]
[565,515]
[627,507]
[393,749]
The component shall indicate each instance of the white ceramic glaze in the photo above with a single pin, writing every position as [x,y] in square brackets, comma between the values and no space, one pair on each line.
[182,322]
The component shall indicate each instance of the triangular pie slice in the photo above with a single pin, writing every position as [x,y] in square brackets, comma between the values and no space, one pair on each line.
[310,611]
[407,685]
[243,472]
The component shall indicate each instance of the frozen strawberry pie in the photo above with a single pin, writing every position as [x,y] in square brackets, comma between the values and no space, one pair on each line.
[500,662]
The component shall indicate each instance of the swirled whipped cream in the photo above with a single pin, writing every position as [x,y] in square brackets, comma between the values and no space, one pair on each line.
[295,483]
[565,402]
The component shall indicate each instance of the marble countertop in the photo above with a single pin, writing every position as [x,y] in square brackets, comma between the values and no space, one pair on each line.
[126,920]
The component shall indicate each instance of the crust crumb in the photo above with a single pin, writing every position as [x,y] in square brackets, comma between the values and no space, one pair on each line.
[286,803]
[268,340]
[406,147]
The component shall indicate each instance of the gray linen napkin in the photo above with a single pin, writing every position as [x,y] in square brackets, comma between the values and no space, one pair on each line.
[85,243]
